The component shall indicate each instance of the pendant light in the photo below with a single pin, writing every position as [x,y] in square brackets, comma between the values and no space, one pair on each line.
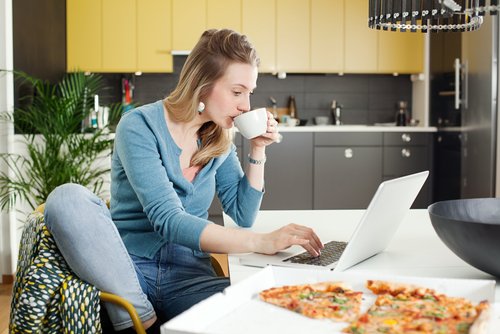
[429,15]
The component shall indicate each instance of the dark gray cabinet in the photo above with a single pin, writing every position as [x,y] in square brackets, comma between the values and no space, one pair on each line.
[406,153]
[215,210]
[337,170]
[347,169]
[289,172]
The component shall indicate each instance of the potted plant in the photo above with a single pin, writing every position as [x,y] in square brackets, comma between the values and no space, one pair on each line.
[57,150]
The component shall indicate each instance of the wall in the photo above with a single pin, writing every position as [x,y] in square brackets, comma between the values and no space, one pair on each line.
[367,99]
[8,247]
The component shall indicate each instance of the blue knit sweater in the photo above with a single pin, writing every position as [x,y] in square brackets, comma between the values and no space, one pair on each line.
[152,202]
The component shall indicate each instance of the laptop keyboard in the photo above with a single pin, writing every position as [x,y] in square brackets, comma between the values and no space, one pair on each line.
[330,254]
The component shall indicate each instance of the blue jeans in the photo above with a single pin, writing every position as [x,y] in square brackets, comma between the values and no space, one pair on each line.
[88,239]
[177,278]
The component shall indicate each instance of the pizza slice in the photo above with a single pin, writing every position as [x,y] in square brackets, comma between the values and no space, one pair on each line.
[404,308]
[329,300]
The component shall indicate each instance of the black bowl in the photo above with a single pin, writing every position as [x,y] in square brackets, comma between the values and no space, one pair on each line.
[471,229]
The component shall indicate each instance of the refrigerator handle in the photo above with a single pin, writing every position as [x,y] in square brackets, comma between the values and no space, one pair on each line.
[457,83]
[465,71]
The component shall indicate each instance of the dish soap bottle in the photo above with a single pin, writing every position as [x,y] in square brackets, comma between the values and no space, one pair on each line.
[292,107]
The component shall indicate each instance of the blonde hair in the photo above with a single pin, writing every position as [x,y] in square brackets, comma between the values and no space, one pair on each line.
[207,63]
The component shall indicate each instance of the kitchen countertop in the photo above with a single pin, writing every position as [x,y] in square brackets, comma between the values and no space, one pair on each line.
[355,128]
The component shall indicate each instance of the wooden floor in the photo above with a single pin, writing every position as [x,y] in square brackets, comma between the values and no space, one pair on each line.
[5,298]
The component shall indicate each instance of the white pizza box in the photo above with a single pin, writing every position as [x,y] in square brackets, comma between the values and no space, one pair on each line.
[239,310]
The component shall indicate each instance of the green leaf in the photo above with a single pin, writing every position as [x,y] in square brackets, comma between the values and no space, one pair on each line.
[57,151]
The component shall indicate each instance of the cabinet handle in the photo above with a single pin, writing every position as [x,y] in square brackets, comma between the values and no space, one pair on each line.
[348,153]
[406,137]
[405,153]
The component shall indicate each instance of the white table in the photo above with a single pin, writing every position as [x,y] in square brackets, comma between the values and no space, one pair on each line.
[415,250]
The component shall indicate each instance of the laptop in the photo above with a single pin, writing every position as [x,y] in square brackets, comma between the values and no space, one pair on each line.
[372,235]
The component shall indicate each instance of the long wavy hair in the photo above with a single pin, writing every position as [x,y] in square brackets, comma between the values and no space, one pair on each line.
[207,63]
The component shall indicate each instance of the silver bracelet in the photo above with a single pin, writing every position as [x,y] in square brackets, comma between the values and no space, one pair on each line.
[256,162]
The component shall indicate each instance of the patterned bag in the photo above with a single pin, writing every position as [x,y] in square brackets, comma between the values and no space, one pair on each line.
[47,296]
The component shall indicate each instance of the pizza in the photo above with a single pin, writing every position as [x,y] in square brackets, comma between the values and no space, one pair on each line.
[326,300]
[403,308]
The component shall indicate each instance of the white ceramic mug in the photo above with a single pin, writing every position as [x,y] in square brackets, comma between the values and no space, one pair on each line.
[292,121]
[252,123]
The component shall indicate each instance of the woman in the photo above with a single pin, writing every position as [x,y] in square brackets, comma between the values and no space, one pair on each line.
[170,158]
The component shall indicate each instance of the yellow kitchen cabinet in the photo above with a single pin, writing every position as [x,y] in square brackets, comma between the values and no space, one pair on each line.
[292,35]
[192,17]
[189,20]
[119,39]
[327,36]
[224,14]
[360,42]
[119,35]
[400,52]
[259,24]
[83,35]
[154,36]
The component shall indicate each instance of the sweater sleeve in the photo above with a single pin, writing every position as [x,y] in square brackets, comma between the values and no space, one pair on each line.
[239,200]
[138,150]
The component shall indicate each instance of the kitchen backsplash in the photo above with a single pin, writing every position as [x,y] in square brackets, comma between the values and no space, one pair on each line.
[366,99]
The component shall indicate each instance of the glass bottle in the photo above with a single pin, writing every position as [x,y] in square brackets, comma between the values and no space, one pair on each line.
[292,107]
[402,113]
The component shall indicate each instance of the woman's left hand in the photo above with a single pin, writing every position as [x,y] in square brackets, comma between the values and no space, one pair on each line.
[271,136]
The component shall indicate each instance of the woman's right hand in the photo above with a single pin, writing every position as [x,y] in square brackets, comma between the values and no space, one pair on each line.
[289,235]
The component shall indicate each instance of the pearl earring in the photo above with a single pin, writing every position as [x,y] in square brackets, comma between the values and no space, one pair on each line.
[201,107]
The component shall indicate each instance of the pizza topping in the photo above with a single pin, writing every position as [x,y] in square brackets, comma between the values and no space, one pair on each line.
[330,300]
[409,309]
[398,308]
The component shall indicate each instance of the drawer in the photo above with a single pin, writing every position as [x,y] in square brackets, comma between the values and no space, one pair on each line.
[348,139]
[406,138]
[346,177]
[405,160]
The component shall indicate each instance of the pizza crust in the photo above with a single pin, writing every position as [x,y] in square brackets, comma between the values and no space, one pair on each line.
[481,325]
